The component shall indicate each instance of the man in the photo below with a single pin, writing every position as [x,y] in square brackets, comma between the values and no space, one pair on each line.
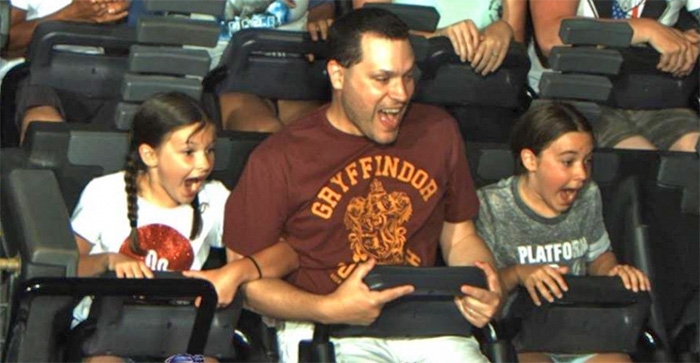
[368,179]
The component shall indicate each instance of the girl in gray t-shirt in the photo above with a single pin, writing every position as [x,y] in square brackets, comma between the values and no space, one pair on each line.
[547,220]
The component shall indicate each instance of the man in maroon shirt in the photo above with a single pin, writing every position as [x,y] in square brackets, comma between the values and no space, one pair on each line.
[368,179]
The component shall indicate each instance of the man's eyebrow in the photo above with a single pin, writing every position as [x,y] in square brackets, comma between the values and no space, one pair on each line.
[389,72]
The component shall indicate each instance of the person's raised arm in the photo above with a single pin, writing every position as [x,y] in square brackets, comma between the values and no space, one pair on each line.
[462,246]
[677,53]
[547,16]
[351,303]
[514,13]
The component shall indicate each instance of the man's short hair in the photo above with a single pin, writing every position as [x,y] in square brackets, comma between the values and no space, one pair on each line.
[345,35]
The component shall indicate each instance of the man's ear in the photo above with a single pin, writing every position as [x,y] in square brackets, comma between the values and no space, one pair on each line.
[529,159]
[336,73]
[148,155]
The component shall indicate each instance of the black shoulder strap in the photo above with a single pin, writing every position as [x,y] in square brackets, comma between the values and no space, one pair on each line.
[654,8]
[602,7]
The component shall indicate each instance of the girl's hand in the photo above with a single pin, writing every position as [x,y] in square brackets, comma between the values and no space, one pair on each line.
[127,267]
[493,48]
[546,280]
[632,278]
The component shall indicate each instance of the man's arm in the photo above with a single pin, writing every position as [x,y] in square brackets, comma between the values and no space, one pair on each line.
[351,303]
[462,246]
[676,51]
[277,260]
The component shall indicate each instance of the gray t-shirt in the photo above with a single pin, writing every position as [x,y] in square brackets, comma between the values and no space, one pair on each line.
[518,235]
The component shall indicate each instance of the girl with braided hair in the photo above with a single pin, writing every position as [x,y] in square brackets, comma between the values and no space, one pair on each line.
[161,212]
[169,214]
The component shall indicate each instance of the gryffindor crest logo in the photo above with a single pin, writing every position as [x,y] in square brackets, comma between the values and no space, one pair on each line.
[376,225]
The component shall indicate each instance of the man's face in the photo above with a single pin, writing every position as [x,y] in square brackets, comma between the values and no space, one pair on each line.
[375,92]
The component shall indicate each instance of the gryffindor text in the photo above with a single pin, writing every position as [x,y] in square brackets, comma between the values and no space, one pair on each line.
[371,167]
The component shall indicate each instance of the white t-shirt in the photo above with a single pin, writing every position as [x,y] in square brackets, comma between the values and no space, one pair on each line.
[35,9]
[101,218]
[481,12]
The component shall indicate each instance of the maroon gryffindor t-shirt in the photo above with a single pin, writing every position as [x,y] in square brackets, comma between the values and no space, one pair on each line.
[341,199]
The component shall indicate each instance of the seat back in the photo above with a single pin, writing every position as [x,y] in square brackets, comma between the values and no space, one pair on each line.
[670,208]
[78,153]
[93,74]
[447,81]
[271,64]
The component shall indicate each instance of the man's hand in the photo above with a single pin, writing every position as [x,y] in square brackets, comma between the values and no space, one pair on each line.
[354,303]
[493,48]
[632,278]
[127,267]
[465,38]
[478,305]
[543,280]
[675,47]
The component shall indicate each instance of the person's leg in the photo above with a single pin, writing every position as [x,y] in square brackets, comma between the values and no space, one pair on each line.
[687,142]
[248,112]
[359,350]
[292,110]
[39,113]
[635,143]
[675,129]
[614,129]
[438,350]
[103,359]
[533,358]
[609,358]
[36,103]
